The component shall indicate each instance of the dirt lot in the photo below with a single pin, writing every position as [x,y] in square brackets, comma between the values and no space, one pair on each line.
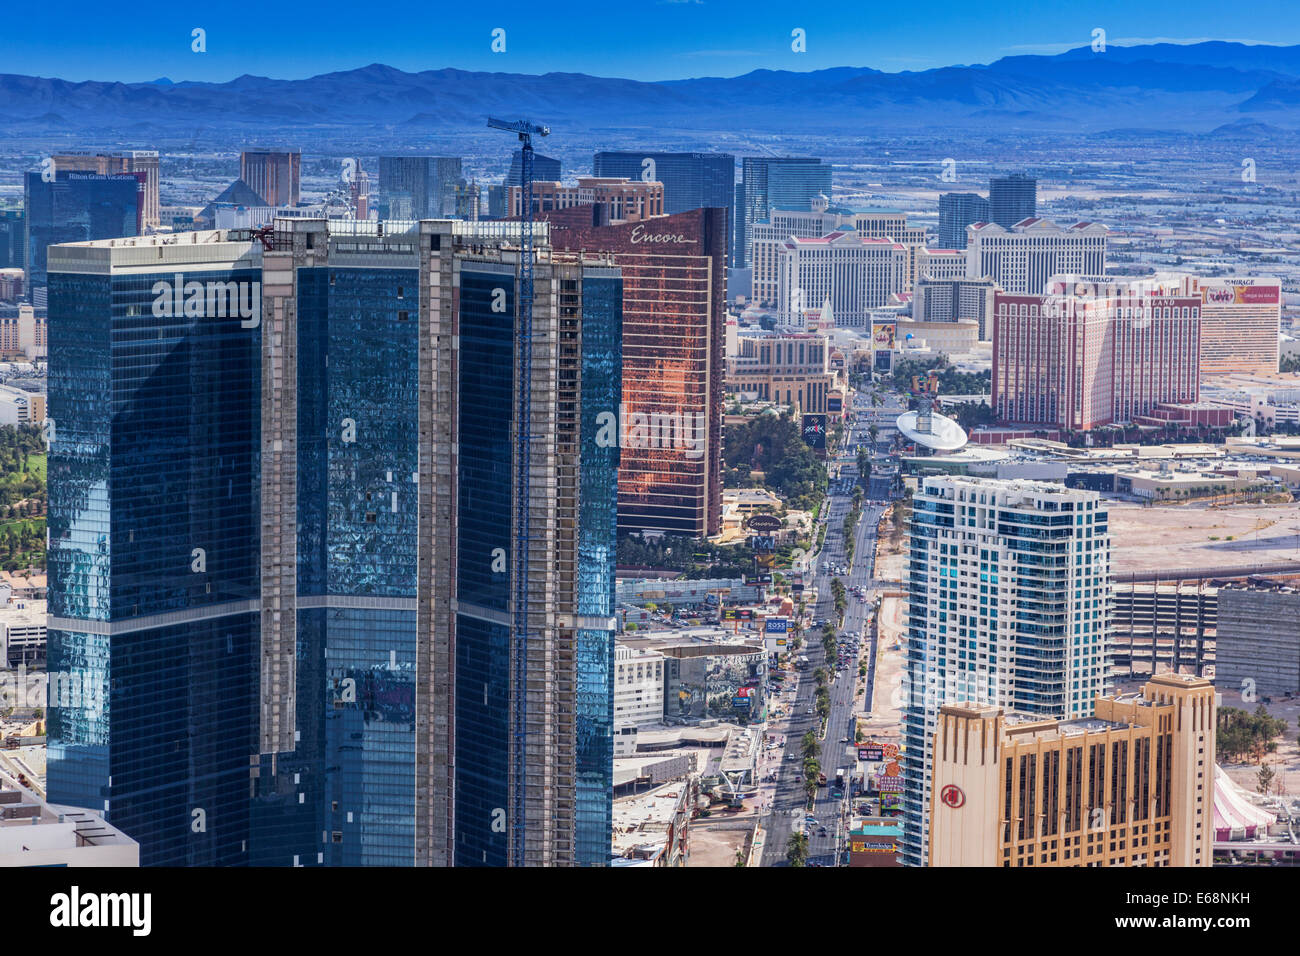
[1182,536]
[715,844]
[887,704]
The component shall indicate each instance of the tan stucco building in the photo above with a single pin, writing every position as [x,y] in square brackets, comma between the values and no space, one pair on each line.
[1130,786]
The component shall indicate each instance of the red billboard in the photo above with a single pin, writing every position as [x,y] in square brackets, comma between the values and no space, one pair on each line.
[1234,293]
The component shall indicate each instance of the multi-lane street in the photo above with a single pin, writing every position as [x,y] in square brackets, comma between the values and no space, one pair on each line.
[785,800]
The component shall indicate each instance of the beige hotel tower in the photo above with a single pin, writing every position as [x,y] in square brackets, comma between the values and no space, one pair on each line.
[1130,786]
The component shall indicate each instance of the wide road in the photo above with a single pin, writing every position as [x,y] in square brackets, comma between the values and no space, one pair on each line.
[785,802]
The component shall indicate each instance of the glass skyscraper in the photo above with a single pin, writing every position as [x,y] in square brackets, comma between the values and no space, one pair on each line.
[784,182]
[691,180]
[1008,604]
[956,212]
[13,238]
[73,206]
[1012,199]
[274,473]
[419,187]
[546,169]
[153,550]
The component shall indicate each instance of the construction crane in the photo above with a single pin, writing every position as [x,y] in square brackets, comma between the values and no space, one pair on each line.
[523,417]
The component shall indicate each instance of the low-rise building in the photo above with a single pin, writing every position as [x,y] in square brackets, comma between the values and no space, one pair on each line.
[638,686]
[22,632]
[709,673]
[874,842]
[36,833]
[787,368]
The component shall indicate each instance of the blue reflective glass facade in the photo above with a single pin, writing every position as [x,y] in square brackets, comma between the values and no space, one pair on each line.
[773,183]
[602,389]
[74,207]
[153,509]
[357,426]
[485,503]
[155,554]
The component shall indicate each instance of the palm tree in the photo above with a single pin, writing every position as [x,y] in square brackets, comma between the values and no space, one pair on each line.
[811,748]
[796,851]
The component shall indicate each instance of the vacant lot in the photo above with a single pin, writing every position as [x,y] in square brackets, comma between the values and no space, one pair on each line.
[1183,536]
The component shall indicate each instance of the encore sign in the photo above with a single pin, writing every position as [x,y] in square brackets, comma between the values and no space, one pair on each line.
[639,235]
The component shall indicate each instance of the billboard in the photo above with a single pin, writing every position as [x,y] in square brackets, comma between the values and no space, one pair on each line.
[891,784]
[872,846]
[776,625]
[762,542]
[814,432]
[1240,293]
[882,335]
[834,403]
[764,523]
[871,754]
[729,614]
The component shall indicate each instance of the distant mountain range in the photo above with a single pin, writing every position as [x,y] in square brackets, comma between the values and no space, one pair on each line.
[1195,87]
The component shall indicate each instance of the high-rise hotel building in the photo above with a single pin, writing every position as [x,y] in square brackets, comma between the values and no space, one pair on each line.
[956,212]
[135,161]
[1132,784]
[316,615]
[691,180]
[767,235]
[1240,320]
[1092,350]
[855,274]
[609,200]
[1008,605]
[1023,257]
[1012,199]
[275,176]
[774,182]
[674,353]
[72,205]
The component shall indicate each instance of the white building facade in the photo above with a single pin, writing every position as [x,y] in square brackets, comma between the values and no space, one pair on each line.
[1022,259]
[853,274]
[638,686]
[1008,604]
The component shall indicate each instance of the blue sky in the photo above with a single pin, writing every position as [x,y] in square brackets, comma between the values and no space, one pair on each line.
[641,39]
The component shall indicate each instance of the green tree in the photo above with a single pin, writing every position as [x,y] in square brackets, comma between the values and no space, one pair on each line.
[811,746]
[796,850]
[1265,779]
